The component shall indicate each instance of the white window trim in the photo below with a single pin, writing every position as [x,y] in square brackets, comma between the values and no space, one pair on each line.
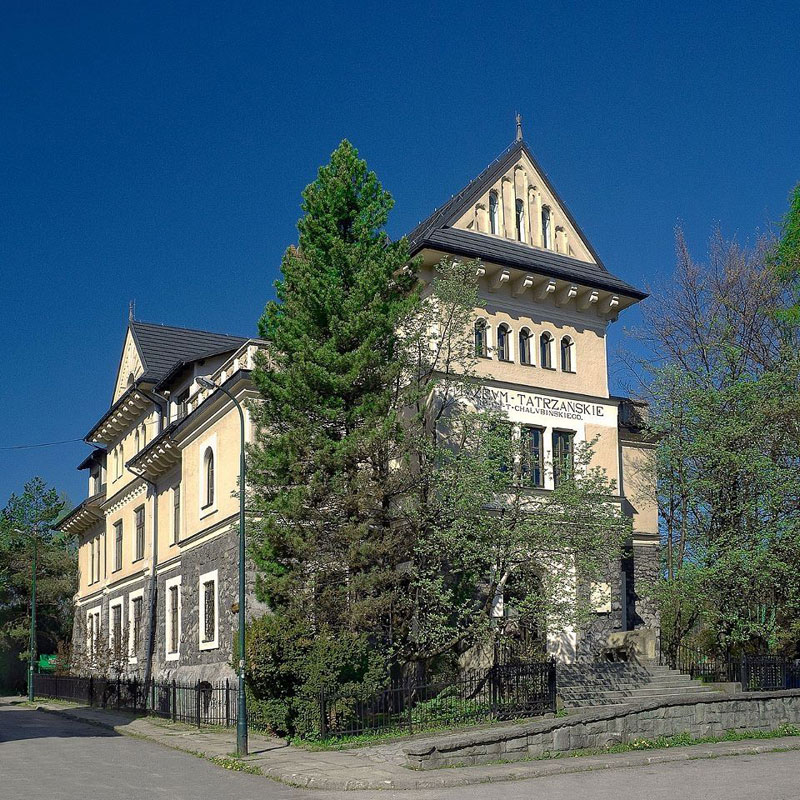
[91,645]
[551,351]
[510,349]
[572,351]
[206,511]
[531,362]
[176,581]
[118,603]
[138,594]
[214,643]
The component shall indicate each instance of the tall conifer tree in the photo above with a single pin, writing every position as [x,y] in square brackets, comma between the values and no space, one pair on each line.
[328,382]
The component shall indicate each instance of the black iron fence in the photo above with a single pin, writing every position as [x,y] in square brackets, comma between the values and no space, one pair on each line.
[500,693]
[200,703]
[755,673]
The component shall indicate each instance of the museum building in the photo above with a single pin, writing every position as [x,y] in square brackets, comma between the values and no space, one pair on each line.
[158,531]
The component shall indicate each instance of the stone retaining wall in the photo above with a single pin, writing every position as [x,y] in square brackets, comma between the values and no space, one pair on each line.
[598,728]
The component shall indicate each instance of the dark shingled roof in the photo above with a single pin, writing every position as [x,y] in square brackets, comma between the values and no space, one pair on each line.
[163,346]
[437,232]
[509,253]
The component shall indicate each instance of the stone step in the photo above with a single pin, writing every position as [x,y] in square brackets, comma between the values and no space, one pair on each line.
[658,681]
[641,693]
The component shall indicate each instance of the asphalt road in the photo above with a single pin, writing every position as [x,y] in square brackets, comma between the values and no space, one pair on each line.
[45,757]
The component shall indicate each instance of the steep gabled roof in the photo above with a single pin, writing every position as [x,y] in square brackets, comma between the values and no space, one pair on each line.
[161,347]
[438,232]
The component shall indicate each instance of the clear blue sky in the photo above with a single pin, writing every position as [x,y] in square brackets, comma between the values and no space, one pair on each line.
[157,151]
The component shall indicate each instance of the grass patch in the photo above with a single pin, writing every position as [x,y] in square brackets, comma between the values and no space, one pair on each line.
[235,764]
[400,734]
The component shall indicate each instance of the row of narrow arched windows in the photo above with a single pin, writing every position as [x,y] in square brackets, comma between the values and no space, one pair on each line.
[519,216]
[526,343]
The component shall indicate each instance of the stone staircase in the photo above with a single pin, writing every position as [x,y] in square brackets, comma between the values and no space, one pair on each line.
[606,684]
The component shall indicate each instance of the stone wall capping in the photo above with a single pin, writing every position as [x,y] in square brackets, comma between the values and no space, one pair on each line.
[597,727]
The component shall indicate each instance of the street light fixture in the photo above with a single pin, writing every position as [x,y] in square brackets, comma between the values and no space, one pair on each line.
[241,716]
[32,639]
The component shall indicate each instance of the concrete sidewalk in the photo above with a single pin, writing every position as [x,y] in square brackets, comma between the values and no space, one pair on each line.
[380,767]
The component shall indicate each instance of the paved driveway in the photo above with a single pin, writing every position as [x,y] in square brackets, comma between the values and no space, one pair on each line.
[45,757]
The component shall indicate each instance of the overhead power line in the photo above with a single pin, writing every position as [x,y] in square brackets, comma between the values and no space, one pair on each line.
[40,444]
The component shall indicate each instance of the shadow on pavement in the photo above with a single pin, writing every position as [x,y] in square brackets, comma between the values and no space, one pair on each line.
[27,723]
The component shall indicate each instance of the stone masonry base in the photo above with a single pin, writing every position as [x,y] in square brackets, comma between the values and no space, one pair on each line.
[712,715]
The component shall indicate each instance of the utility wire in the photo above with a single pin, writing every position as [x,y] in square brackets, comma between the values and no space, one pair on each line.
[41,444]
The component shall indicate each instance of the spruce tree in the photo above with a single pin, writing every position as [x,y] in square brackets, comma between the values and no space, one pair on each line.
[327,417]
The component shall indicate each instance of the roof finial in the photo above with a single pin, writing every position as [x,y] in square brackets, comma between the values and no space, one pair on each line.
[131,310]
[519,127]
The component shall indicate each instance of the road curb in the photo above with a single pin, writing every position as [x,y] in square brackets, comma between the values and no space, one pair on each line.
[450,777]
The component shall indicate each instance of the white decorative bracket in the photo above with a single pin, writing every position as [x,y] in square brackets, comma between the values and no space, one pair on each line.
[501,277]
[566,294]
[548,287]
[522,284]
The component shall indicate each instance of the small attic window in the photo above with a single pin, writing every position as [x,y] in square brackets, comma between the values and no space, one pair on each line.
[520,216]
[494,223]
[130,381]
[547,228]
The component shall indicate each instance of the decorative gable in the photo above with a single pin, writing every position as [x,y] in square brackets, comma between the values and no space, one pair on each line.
[131,366]
[521,205]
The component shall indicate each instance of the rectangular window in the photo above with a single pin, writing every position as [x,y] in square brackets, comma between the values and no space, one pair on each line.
[117,545]
[97,558]
[533,456]
[563,455]
[176,514]
[181,406]
[138,515]
[136,624]
[208,599]
[173,622]
[91,566]
[116,629]
[209,604]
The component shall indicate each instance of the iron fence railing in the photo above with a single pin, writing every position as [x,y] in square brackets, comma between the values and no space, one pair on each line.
[755,673]
[200,703]
[499,693]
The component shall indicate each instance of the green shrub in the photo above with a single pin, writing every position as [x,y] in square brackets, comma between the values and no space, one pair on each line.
[288,665]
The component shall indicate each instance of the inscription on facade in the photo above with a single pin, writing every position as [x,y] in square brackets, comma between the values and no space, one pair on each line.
[525,402]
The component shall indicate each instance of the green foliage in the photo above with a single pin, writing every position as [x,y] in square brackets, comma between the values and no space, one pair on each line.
[448,708]
[786,261]
[288,665]
[723,383]
[35,512]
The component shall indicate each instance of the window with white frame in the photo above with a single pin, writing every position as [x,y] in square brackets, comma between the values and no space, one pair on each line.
[481,339]
[520,216]
[525,346]
[208,476]
[173,618]
[92,552]
[546,350]
[92,633]
[115,628]
[567,354]
[503,342]
[135,622]
[208,599]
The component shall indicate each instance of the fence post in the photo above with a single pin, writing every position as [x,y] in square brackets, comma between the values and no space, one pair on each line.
[197,701]
[323,715]
[227,703]
[743,675]
[784,674]
[174,699]
[408,706]
[552,686]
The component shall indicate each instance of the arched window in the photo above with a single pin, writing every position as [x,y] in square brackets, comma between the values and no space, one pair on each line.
[520,215]
[547,232]
[116,463]
[546,350]
[130,380]
[494,221]
[567,359]
[208,468]
[136,442]
[481,343]
[504,342]
[524,346]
